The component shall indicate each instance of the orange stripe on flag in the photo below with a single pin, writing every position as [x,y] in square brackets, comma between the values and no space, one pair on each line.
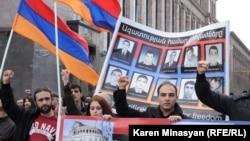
[76,67]
[81,9]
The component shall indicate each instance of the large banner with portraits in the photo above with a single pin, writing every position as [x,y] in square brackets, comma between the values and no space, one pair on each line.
[149,57]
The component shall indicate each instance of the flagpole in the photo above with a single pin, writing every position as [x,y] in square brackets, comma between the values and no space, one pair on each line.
[101,79]
[58,76]
[5,53]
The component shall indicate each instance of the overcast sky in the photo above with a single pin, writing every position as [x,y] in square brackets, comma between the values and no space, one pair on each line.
[237,12]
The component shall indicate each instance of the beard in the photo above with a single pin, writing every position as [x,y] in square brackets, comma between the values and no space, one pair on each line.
[44,109]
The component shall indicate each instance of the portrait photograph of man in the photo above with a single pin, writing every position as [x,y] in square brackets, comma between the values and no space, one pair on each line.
[140,85]
[191,56]
[171,61]
[124,50]
[148,58]
[216,84]
[187,93]
[112,75]
[214,56]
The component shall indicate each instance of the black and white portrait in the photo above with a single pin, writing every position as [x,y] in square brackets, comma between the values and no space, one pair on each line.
[140,85]
[214,56]
[112,75]
[216,84]
[148,58]
[171,61]
[191,56]
[124,50]
[187,93]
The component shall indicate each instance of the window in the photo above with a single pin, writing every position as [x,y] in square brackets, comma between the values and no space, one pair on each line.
[166,17]
[199,2]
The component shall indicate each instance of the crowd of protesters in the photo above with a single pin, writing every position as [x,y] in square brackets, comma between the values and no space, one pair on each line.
[24,118]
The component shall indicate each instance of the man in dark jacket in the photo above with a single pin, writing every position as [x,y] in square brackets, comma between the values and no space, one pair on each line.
[8,127]
[73,96]
[167,97]
[237,107]
[33,124]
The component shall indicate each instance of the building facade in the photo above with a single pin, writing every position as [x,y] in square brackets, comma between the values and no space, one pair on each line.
[239,65]
[171,15]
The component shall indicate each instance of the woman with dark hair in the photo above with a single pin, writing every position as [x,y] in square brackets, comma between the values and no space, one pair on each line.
[98,106]
[28,102]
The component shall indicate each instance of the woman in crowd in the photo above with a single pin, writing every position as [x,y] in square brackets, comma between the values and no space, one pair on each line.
[98,106]
[28,102]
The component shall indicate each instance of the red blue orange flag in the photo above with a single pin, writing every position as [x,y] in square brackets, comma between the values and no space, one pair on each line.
[101,14]
[110,6]
[35,21]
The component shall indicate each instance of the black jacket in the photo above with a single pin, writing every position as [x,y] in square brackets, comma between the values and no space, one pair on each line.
[117,54]
[237,107]
[71,107]
[124,110]
[22,118]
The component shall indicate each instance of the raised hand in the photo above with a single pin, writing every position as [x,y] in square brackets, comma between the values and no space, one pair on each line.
[65,76]
[202,67]
[123,81]
[7,75]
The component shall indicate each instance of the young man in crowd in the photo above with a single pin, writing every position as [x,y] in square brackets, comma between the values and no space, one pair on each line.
[7,126]
[77,95]
[19,102]
[34,124]
[237,106]
[167,108]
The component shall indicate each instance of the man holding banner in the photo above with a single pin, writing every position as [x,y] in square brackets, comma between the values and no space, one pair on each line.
[167,97]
